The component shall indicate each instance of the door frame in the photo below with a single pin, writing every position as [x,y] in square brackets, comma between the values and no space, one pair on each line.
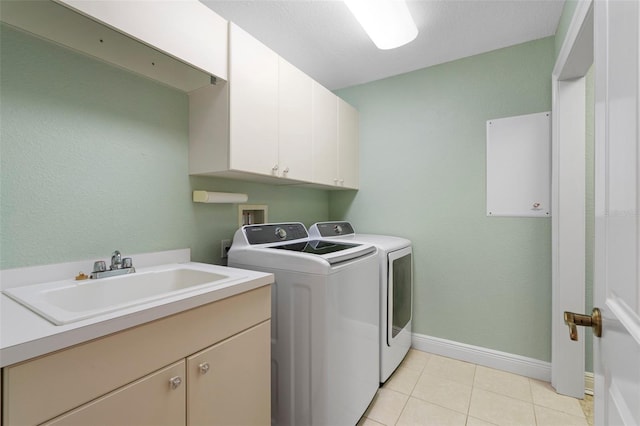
[568,199]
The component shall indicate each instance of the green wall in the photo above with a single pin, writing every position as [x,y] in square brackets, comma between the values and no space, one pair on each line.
[480,280]
[93,158]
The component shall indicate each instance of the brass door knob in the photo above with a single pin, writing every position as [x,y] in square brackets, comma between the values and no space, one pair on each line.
[594,321]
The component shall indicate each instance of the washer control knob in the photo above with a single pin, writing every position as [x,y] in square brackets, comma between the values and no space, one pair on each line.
[281,233]
[337,229]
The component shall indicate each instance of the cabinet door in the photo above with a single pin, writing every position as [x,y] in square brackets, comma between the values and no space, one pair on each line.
[152,400]
[325,135]
[294,123]
[348,146]
[230,382]
[253,104]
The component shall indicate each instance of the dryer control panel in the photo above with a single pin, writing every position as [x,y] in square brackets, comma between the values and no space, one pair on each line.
[334,229]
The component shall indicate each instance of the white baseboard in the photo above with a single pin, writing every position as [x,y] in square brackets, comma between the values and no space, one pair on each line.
[588,383]
[528,367]
[523,366]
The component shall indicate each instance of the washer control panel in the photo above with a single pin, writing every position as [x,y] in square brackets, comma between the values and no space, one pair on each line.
[273,233]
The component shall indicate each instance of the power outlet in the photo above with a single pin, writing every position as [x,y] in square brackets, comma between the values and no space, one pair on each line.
[225,245]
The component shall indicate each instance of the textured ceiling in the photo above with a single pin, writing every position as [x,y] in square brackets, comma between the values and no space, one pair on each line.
[323,39]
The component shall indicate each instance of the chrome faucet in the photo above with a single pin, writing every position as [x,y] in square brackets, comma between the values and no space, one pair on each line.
[116,260]
[119,266]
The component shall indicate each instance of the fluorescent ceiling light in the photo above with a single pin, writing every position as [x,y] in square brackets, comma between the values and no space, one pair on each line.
[387,22]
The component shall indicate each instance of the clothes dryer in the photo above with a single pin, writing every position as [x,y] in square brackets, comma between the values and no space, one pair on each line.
[324,324]
[396,288]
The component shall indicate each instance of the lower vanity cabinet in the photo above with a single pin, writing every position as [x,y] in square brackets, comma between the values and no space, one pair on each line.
[229,383]
[158,399]
[205,366]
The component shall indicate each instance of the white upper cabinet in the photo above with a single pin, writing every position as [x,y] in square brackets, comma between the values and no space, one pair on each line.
[180,43]
[271,122]
[335,140]
[348,146]
[267,103]
[294,122]
[253,105]
[325,136]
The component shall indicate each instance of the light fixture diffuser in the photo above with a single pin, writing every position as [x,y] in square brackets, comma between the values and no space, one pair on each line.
[387,22]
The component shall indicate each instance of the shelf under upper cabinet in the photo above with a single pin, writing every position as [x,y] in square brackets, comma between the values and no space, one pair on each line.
[141,37]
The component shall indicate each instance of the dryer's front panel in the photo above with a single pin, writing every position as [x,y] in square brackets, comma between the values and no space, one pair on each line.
[400,290]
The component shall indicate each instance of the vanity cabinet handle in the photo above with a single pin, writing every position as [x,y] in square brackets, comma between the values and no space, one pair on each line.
[204,368]
[175,382]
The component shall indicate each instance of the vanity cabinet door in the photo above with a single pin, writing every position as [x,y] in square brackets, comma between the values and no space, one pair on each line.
[157,399]
[230,382]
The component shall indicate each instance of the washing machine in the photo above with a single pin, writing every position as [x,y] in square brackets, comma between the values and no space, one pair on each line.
[324,325]
[396,288]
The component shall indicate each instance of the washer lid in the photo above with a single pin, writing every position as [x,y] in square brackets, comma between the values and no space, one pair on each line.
[316,246]
[332,251]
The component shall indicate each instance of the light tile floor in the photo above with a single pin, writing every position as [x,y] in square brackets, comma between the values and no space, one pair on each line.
[428,389]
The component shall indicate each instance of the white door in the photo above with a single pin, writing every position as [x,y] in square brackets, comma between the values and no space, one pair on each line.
[617,264]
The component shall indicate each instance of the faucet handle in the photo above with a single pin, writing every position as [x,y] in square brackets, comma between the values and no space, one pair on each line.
[99,266]
[127,262]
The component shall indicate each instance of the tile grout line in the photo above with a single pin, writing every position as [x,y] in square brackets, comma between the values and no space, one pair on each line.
[535,415]
[412,389]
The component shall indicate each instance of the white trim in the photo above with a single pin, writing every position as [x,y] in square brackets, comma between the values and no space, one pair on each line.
[512,363]
[523,366]
[568,216]
[588,383]
[581,15]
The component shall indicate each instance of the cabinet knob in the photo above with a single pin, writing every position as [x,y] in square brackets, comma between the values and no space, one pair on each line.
[204,368]
[275,168]
[285,171]
[175,382]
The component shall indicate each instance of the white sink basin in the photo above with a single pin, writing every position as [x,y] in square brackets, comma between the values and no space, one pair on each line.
[63,302]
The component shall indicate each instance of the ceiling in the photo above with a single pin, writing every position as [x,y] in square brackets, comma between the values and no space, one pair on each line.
[324,40]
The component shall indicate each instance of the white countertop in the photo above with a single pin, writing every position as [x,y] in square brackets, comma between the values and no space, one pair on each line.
[24,334]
